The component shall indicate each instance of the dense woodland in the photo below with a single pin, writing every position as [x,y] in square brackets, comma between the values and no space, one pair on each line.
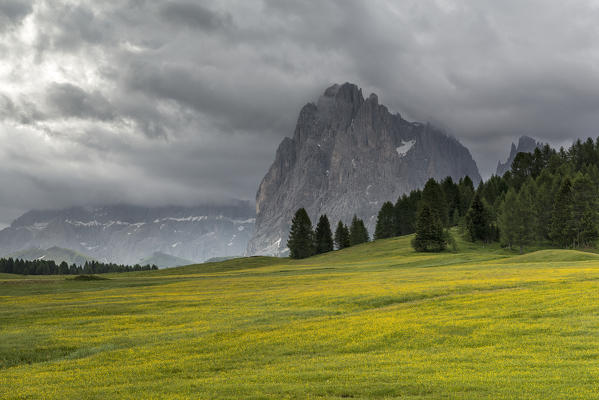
[48,267]
[549,197]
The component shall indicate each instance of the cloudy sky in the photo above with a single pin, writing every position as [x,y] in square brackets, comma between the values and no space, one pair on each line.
[155,102]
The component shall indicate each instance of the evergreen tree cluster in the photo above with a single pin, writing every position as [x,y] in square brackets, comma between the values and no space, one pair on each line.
[305,242]
[548,197]
[48,267]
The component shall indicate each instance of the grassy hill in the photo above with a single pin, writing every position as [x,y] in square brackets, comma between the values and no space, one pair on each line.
[373,321]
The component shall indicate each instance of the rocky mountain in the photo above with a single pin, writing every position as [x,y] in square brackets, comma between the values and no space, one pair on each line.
[348,155]
[127,234]
[526,144]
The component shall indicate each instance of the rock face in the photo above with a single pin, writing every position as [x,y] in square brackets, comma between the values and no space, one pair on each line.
[128,234]
[348,155]
[526,144]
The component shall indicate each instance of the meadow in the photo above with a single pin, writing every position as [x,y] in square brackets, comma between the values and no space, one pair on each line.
[373,321]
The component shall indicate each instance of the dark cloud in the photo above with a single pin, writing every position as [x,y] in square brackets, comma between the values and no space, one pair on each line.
[194,15]
[13,11]
[181,101]
[69,101]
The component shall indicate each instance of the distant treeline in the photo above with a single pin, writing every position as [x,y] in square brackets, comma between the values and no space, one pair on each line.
[548,197]
[48,267]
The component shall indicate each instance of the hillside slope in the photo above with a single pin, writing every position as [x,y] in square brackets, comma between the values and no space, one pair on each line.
[373,321]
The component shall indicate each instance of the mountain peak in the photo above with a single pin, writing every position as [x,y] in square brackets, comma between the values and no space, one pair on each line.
[347,156]
[526,144]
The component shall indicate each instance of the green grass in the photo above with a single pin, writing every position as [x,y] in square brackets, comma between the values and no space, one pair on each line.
[373,321]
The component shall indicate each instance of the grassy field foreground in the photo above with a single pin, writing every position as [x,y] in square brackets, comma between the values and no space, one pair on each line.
[374,321]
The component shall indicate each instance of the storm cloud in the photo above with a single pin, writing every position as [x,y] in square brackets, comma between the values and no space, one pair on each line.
[182,102]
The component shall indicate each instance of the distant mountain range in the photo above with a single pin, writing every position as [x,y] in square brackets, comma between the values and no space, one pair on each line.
[54,253]
[348,155]
[130,234]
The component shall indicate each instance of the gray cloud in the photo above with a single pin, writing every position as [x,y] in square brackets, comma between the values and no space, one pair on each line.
[69,101]
[181,101]
[195,16]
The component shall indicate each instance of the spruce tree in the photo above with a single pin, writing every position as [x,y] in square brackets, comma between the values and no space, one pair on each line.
[524,215]
[507,218]
[430,235]
[357,232]
[585,210]
[323,237]
[341,236]
[301,236]
[434,197]
[477,221]
[385,222]
[562,231]
[406,210]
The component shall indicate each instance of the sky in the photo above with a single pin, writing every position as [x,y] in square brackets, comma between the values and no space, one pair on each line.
[183,102]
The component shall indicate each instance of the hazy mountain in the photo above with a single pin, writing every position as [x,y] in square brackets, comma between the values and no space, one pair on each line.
[526,144]
[56,254]
[128,234]
[348,155]
[163,260]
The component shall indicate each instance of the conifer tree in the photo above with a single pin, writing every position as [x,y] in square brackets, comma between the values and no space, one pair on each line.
[323,237]
[466,188]
[341,236]
[524,216]
[301,236]
[434,197]
[406,210]
[357,232]
[507,218]
[584,210]
[562,228]
[385,222]
[477,221]
[430,235]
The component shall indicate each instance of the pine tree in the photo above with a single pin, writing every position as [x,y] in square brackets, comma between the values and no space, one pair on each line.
[584,210]
[406,210]
[434,197]
[466,188]
[562,228]
[507,218]
[385,222]
[477,221]
[430,235]
[357,232]
[341,236]
[524,216]
[301,236]
[323,237]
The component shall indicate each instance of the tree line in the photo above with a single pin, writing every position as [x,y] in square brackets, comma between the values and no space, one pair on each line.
[49,267]
[548,197]
[304,241]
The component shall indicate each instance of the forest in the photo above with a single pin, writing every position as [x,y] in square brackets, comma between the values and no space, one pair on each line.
[49,267]
[549,198]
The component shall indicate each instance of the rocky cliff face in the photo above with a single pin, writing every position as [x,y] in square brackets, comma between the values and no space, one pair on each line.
[127,234]
[526,144]
[348,155]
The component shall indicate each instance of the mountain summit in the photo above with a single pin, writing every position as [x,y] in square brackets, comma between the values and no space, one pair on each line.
[347,156]
[526,144]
